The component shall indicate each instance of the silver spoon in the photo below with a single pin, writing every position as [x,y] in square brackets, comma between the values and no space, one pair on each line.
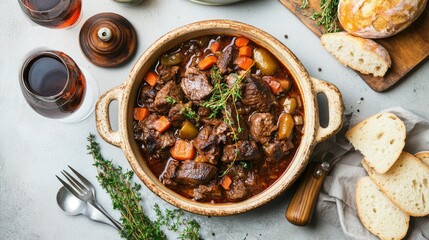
[73,206]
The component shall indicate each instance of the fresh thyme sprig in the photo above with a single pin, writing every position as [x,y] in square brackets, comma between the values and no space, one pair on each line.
[170,100]
[304,4]
[221,95]
[188,112]
[126,198]
[328,16]
[173,220]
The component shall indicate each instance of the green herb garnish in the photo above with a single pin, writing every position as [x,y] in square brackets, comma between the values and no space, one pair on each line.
[126,198]
[304,4]
[173,220]
[328,16]
[221,95]
[170,100]
[188,112]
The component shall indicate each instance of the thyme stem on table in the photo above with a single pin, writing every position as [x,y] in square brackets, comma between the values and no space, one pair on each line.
[304,4]
[126,198]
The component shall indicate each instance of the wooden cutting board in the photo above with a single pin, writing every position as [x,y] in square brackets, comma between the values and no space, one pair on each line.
[407,49]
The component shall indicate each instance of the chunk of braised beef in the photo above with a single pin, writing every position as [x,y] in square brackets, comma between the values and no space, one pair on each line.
[237,128]
[251,180]
[276,150]
[147,97]
[203,112]
[175,114]
[169,174]
[231,80]
[261,127]
[153,141]
[209,191]
[221,131]
[273,151]
[169,90]
[193,173]
[241,151]
[224,61]
[287,146]
[206,144]
[196,85]
[237,191]
[211,121]
[167,73]
[257,94]
[137,131]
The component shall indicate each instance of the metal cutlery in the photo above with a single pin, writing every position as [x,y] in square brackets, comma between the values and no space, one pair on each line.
[84,191]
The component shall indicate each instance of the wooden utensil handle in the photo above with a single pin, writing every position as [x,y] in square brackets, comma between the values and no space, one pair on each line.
[303,201]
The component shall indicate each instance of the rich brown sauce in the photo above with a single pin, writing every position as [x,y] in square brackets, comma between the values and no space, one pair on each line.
[266,172]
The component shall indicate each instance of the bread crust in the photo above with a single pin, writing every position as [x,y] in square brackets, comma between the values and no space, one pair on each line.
[353,131]
[370,171]
[378,18]
[363,219]
[366,47]
[424,156]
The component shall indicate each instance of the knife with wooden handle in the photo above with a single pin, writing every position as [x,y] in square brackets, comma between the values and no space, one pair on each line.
[325,155]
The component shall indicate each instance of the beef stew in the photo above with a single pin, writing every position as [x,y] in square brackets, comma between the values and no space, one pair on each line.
[224,119]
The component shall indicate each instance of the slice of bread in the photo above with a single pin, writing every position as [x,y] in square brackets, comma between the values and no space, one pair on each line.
[377,213]
[363,55]
[424,156]
[380,139]
[406,184]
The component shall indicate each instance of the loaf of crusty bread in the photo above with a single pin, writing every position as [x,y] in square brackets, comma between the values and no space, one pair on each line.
[363,55]
[378,18]
[380,139]
[424,157]
[377,213]
[406,184]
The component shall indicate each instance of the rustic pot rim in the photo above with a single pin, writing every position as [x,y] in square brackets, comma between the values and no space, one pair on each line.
[309,87]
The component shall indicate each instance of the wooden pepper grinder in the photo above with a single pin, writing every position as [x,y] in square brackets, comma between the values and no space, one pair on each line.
[108,39]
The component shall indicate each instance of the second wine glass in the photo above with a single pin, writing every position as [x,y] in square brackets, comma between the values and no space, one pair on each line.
[52,13]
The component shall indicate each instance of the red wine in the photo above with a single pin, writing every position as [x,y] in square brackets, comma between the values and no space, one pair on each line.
[53,13]
[52,84]
[47,76]
[41,5]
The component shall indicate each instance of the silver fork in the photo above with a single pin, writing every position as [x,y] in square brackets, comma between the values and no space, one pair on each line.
[85,191]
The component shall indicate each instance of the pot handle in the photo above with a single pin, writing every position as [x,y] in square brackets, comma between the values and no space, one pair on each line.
[336,108]
[102,117]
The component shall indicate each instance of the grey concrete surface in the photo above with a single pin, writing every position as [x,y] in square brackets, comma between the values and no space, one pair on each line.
[33,149]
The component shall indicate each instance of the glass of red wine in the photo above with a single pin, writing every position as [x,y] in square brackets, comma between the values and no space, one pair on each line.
[55,87]
[52,13]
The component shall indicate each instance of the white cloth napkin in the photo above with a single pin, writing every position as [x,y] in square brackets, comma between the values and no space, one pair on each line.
[338,192]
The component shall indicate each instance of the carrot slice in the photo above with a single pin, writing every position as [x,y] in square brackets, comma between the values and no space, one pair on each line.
[275,85]
[285,84]
[140,113]
[226,182]
[214,46]
[245,51]
[162,124]
[151,78]
[244,62]
[241,41]
[182,150]
[207,62]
